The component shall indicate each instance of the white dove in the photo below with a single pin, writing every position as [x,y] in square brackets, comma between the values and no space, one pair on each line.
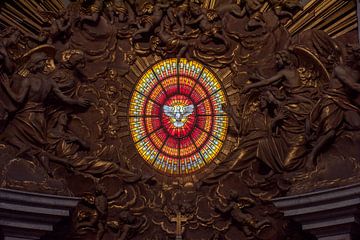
[178,114]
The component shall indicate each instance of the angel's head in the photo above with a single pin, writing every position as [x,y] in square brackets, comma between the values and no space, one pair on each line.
[73,59]
[212,15]
[233,195]
[37,62]
[63,119]
[15,36]
[283,59]
[121,11]
[3,115]
[148,8]
[100,190]
[196,10]
[130,58]
[354,54]
[12,35]
[127,217]
[65,15]
[264,101]
[154,43]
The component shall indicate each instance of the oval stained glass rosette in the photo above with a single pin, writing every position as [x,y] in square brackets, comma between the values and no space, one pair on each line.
[176,119]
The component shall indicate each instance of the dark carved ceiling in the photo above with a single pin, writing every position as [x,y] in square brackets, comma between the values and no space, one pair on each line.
[291,97]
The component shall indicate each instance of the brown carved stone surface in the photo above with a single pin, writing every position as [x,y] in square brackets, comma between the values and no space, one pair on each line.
[66,81]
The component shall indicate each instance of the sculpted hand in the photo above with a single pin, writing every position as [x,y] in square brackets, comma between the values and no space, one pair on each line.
[245,89]
[84,103]
[255,75]
[5,80]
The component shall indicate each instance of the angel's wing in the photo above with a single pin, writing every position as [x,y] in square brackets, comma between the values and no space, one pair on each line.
[312,71]
[188,110]
[169,111]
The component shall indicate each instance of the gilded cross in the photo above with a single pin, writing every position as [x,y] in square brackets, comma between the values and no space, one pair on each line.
[178,219]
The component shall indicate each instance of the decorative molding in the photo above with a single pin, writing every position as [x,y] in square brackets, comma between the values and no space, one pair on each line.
[329,214]
[25,215]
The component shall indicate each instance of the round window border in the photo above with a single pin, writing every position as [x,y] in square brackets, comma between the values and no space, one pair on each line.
[215,161]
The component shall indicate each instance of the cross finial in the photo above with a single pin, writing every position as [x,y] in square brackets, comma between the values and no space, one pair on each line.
[179,219]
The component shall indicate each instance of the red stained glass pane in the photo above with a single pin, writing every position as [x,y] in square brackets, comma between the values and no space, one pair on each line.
[187,147]
[204,108]
[152,109]
[170,85]
[171,147]
[205,123]
[198,93]
[186,85]
[158,95]
[158,138]
[152,124]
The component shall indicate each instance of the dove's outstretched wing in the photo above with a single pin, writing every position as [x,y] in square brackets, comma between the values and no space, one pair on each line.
[169,111]
[188,110]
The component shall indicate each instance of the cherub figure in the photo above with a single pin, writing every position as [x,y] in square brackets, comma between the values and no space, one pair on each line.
[126,224]
[237,208]
[152,15]
[171,40]
[58,29]
[117,11]
[285,8]
[252,8]
[231,8]
[92,10]
[179,11]
[98,202]
[210,25]
[101,206]
[8,39]
[274,108]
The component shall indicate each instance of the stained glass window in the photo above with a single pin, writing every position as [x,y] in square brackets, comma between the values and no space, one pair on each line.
[176,119]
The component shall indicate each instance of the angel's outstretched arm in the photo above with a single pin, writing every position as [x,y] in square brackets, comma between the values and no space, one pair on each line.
[265,82]
[195,21]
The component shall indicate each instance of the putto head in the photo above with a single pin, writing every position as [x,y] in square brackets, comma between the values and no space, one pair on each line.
[284,58]
[73,58]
